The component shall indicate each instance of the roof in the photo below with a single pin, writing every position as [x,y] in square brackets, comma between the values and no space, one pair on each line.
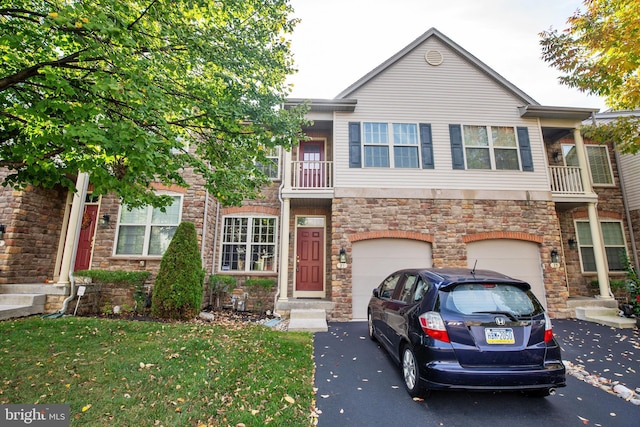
[549,112]
[323,105]
[526,99]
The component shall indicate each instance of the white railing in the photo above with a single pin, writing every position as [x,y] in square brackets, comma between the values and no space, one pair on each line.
[566,180]
[311,175]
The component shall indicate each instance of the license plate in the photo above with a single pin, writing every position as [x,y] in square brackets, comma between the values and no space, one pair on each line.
[499,336]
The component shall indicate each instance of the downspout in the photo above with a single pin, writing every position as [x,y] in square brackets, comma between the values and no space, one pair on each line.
[82,196]
[215,247]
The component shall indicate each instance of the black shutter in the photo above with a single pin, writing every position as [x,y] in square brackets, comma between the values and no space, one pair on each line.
[355,146]
[426,144]
[525,149]
[457,153]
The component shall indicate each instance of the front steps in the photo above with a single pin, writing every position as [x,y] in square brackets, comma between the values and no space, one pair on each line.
[307,315]
[602,311]
[21,300]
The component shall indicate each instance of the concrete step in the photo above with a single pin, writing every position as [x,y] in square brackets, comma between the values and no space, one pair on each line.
[605,316]
[308,320]
[21,305]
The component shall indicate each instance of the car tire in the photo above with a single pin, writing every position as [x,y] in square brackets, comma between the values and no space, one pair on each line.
[411,372]
[540,392]
[371,327]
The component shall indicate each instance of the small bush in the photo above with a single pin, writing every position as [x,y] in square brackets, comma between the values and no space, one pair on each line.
[261,282]
[177,292]
[219,284]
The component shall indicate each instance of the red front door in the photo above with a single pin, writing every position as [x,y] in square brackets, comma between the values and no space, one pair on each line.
[85,243]
[312,172]
[310,259]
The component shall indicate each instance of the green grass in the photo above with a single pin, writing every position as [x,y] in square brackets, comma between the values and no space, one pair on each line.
[126,373]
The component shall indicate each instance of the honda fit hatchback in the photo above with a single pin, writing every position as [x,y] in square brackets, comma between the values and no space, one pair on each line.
[455,328]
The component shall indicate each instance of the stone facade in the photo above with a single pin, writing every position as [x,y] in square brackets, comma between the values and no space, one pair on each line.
[448,225]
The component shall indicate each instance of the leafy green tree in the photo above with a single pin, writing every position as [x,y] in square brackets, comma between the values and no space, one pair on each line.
[599,53]
[177,291]
[134,92]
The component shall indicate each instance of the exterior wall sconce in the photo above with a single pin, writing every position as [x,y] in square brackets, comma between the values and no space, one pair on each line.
[555,259]
[3,229]
[572,243]
[104,221]
[343,256]
[556,156]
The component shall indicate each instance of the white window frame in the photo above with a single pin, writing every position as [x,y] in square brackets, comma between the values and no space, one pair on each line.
[567,147]
[273,154]
[148,226]
[582,244]
[239,258]
[491,147]
[390,142]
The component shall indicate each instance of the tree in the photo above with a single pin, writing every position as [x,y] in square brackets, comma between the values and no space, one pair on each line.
[600,54]
[177,291]
[134,92]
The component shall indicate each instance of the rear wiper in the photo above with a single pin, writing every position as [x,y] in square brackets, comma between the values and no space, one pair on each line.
[511,314]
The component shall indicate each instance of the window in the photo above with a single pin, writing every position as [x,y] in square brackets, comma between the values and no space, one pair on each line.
[248,244]
[388,287]
[405,153]
[271,167]
[598,159]
[614,245]
[406,294]
[147,231]
[498,152]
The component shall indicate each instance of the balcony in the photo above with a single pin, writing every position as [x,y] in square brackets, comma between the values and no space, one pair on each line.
[566,180]
[310,179]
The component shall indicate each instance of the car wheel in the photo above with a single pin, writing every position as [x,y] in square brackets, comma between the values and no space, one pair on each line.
[372,329]
[411,372]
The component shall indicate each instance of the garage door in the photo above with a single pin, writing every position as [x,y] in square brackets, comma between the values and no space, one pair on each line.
[374,260]
[514,258]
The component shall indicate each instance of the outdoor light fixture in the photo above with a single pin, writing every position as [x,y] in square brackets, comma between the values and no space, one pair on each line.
[343,256]
[555,259]
[105,220]
[3,228]
[572,243]
[556,156]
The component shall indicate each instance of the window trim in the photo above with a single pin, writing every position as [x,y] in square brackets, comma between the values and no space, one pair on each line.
[580,245]
[491,147]
[248,266]
[147,225]
[278,163]
[391,144]
[586,148]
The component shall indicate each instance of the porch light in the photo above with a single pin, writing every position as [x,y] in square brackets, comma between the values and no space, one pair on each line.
[3,228]
[555,259]
[104,221]
[572,243]
[343,256]
[556,156]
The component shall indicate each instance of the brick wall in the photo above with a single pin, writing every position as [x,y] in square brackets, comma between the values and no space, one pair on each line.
[447,221]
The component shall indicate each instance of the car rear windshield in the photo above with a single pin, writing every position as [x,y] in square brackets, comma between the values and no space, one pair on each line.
[475,298]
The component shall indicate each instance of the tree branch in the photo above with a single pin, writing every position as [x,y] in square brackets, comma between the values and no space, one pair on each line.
[27,73]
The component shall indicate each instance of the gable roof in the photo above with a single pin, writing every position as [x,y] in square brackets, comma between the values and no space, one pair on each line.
[526,99]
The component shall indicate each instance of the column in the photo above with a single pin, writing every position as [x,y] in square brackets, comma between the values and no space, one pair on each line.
[77,208]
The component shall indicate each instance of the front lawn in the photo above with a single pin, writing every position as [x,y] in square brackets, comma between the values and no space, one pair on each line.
[131,373]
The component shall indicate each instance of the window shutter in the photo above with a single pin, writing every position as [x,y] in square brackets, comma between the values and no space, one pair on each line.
[426,144]
[457,153]
[355,146]
[525,149]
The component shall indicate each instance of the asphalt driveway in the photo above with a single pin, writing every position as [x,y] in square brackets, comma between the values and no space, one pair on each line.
[359,385]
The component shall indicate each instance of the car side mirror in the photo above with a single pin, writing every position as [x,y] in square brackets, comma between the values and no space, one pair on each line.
[375,293]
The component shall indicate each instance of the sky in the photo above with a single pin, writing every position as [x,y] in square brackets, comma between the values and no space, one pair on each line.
[339,41]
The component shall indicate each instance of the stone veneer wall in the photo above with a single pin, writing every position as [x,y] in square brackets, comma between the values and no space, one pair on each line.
[447,221]
[33,220]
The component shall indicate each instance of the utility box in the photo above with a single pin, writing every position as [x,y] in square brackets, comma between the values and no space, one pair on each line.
[239,299]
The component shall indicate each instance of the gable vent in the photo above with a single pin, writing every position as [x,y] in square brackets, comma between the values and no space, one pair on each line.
[433,57]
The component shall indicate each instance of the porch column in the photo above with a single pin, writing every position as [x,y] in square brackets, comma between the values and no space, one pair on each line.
[594,223]
[77,207]
[284,250]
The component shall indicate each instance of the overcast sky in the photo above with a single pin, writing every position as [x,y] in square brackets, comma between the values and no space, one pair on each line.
[339,41]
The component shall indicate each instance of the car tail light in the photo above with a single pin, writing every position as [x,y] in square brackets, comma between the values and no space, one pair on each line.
[548,329]
[433,326]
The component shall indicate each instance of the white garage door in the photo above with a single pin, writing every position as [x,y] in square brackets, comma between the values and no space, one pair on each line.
[374,260]
[515,258]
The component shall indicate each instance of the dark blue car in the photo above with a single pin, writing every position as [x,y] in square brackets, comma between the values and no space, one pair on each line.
[455,328]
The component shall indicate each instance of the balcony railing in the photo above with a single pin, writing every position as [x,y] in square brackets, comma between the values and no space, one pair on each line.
[312,175]
[566,180]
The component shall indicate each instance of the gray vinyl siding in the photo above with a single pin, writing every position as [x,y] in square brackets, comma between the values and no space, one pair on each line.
[412,91]
[630,166]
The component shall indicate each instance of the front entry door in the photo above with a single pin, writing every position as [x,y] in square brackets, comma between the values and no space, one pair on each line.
[85,243]
[310,261]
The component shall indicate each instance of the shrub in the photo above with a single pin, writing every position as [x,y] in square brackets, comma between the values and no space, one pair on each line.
[177,293]
[134,279]
[264,283]
[219,284]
